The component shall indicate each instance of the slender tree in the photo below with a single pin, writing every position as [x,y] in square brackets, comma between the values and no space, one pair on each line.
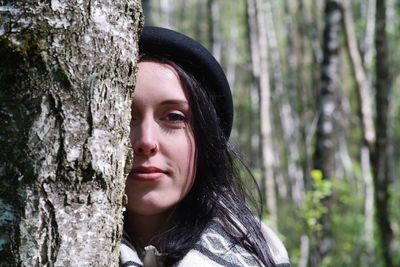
[368,36]
[148,11]
[365,112]
[259,55]
[166,8]
[324,151]
[66,77]
[265,115]
[287,116]
[253,47]
[380,157]
[213,11]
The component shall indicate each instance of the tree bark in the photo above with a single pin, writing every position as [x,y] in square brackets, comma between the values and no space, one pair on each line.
[366,118]
[259,60]
[254,50]
[380,158]
[148,10]
[66,75]
[368,40]
[214,28]
[288,119]
[265,116]
[324,152]
[166,13]
[361,79]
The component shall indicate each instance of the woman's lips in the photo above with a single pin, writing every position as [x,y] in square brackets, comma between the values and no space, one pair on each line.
[146,173]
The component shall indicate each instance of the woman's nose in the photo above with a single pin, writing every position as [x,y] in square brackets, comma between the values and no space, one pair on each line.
[143,138]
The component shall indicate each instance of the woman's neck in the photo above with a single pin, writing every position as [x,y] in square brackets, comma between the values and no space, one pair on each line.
[144,230]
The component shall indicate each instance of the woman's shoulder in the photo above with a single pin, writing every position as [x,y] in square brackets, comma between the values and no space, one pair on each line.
[276,247]
[217,248]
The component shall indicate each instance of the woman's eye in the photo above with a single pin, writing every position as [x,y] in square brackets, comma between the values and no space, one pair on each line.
[175,117]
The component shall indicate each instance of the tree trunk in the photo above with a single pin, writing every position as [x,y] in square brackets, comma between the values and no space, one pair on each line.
[361,79]
[366,118]
[259,59]
[369,254]
[254,49]
[287,117]
[166,13]
[265,116]
[214,28]
[324,152]
[148,11]
[66,77]
[380,157]
[368,40]
[309,51]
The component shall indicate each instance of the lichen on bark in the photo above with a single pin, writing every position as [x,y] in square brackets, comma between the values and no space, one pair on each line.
[66,78]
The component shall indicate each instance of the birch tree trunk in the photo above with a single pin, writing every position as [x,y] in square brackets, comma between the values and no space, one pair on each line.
[259,58]
[366,117]
[368,40]
[165,13]
[214,28]
[66,76]
[289,122]
[381,156]
[324,152]
[255,72]
[361,79]
[147,6]
[265,116]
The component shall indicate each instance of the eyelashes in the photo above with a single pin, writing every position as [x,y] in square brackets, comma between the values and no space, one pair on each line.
[175,117]
[171,120]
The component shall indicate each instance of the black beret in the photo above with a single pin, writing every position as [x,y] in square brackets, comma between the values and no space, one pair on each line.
[197,60]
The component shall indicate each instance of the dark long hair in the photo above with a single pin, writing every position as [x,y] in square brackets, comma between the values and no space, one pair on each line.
[217,192]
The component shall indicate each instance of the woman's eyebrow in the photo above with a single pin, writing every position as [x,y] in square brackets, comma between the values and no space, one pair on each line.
[175,102]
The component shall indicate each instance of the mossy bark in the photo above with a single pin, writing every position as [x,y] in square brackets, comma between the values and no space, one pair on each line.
[67,73]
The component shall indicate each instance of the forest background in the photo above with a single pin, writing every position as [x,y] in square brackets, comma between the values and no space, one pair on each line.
[316,116]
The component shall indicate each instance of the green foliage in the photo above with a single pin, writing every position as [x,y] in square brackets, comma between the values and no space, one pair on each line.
[347,224]
[314,208]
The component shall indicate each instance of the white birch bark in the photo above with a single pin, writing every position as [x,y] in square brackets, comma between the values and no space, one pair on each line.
[213,7]
[290,125]
[265,117]
[255,71]
[368,40]
[66,77]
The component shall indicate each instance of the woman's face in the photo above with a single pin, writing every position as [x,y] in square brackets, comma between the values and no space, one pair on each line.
[163,166]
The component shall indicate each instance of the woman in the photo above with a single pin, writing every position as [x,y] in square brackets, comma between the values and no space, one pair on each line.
[186,205]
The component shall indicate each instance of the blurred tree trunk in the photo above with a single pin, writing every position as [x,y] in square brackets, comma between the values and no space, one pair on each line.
[324,152]
[310,29]
[259,55]
[265,115]
[231,54]
[366,119]
[365,161]
[166,13]
[282,116]
[66,77]
[148,12]
[380,156]
[214,28]
[251,29]
[288,118]
[368,40]
[361,79]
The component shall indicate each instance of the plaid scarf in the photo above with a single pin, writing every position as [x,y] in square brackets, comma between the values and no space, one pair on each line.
[213,249]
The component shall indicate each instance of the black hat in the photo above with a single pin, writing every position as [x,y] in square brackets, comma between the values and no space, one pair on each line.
[197,60]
